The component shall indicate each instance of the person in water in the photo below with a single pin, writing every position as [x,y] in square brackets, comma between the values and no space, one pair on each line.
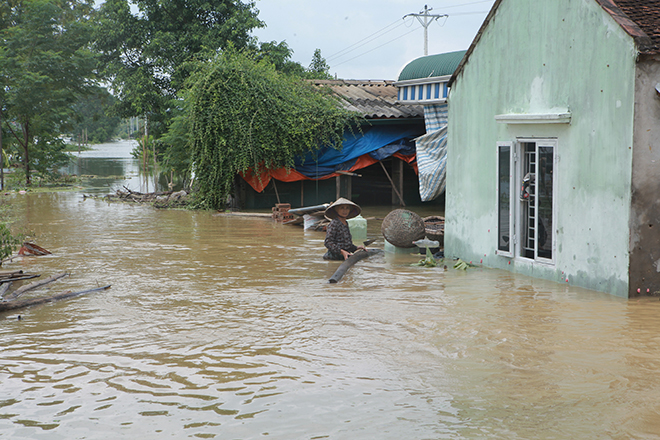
[338,238]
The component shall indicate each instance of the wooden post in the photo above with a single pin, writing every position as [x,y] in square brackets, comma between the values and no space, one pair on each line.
[392,183]
[397,177]
[277,194]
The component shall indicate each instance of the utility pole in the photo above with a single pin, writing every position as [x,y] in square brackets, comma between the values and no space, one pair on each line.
[426,22]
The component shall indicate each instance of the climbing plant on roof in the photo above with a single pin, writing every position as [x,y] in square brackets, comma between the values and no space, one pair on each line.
[243,115]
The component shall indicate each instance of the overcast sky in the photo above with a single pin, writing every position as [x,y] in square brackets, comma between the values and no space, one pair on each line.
[368,39]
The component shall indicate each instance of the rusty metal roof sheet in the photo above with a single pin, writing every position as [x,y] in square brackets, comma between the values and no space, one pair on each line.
[372,99]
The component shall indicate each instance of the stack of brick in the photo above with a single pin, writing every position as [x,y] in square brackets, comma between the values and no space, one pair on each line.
[281,212]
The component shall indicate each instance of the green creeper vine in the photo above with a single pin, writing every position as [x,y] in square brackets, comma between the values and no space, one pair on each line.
[244,114]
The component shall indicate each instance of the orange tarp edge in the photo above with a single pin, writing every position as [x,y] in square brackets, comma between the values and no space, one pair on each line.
[260,182]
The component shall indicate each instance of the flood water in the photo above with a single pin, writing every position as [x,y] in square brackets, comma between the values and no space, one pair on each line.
[226,327]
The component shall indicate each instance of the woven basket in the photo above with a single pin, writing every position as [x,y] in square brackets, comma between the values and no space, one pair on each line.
[435,228]
[401,227]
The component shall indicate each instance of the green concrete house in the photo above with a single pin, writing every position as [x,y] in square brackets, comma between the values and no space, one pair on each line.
[553,163]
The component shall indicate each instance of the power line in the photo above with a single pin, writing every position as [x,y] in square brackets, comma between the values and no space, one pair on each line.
[395,25]
[370,38]
[377,47]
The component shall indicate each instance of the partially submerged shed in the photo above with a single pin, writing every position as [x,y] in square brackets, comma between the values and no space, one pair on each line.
[379,151]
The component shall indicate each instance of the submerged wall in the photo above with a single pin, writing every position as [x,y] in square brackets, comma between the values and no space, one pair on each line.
[545,57]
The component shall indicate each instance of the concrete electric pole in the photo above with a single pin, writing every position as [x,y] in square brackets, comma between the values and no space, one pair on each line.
[426,22]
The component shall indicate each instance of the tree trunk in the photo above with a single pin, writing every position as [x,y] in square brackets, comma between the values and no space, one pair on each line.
[2,158]
[13,305]
[4,288]
[26,152]
[20,291]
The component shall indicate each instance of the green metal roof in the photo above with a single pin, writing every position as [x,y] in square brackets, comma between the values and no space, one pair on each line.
[432,65]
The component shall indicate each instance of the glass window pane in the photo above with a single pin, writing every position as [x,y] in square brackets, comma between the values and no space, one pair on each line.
[504,198]
[544,201]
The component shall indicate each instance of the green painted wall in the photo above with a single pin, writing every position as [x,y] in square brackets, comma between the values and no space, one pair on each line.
[537,57]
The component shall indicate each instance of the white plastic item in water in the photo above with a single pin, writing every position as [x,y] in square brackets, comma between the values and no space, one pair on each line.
[426,243]
[309,221]
[358,228]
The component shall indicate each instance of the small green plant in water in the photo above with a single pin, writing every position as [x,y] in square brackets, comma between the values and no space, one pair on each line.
[429,261]
[462,265]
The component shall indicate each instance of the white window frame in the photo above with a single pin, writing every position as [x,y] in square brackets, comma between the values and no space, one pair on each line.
[539,142]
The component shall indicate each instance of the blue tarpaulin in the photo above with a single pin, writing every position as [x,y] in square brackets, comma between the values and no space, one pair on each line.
[379,141]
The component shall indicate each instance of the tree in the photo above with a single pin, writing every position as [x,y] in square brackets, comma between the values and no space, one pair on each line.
[280,55]
[244,114]
[147,55]
[91,115]
[319,68]
[45,65]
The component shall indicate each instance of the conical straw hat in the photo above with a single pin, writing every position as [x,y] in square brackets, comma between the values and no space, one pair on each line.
[332,214]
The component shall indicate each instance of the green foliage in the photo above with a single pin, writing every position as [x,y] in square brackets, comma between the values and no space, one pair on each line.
[429,261]
[91,114]
[462,265]
[176,155]
[319,68]
[279,54]
[146,55]
[8,242]
[45,65]
[244,114]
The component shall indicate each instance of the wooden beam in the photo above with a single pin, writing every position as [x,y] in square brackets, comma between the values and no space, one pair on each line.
[392,183]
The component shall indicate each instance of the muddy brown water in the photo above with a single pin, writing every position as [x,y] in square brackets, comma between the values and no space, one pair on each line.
[226,327]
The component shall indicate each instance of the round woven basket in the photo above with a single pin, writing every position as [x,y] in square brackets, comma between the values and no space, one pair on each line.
[435,228]
[401,227]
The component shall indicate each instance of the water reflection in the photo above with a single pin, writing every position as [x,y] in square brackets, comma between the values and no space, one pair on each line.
[111,166]
[225,327]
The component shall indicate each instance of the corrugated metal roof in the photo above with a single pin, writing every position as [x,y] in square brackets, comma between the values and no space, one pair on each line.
[442,64]
[372,99]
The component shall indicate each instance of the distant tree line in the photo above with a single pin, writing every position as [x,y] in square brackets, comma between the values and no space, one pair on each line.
[70,66]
